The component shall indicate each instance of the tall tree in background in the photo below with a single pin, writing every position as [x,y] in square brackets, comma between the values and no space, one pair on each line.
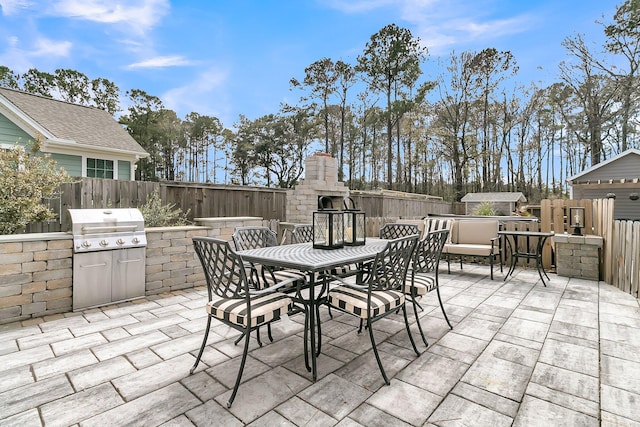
[8,78]
[391,62]
[38,82]
[72,86]
[595,95]
[320,78]
[345,79]
[141,122]
[105,95]
[623,38]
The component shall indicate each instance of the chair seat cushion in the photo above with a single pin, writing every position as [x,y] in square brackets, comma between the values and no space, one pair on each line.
[264,308]
[355,301]
[467,249]
[280,275]
[422,284]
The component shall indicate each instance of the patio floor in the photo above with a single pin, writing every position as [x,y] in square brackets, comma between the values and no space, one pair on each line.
[520,354]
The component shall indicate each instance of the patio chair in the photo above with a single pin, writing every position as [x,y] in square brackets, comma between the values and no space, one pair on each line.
[253,237]
[423,276]
[234,299]
[300,233]
[382,291]
[397,230]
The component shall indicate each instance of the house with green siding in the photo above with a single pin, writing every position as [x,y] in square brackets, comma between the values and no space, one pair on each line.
[86,141]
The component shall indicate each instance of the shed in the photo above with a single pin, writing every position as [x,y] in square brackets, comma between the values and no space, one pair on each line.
[504,202]
[617,177]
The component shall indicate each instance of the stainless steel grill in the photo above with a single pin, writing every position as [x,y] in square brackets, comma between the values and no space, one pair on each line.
[109,256]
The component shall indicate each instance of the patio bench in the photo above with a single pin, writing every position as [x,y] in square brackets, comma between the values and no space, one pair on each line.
[476,238]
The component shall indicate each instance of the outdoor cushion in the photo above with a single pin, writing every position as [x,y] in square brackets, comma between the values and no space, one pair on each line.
[467,249]
[355,301]
[422,284]
[264,308]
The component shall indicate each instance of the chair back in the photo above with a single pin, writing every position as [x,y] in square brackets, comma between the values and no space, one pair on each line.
[397,230]
[223,268]
[428,250]
[302,233]
[253,237]
[389,268]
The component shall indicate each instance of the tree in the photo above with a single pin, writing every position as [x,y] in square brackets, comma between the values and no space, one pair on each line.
[321,77]
[8,78]
[27,178]
[72,86]
[38,82]
[141,123]
[391,62]
[105,95]
[594,95]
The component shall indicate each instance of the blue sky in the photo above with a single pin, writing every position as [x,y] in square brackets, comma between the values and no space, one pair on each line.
[229,57]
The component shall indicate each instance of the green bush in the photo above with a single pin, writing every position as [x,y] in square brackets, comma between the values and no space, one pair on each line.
[485,209]
[27,178]
[158,215]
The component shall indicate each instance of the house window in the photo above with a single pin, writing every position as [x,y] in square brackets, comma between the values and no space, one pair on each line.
[99,168]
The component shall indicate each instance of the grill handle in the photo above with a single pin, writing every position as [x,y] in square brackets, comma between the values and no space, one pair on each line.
[111,228]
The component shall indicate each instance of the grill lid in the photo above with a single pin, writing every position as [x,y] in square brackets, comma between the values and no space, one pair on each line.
[100,229]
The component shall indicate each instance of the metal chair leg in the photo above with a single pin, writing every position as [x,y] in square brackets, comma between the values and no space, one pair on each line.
[375,351]
[204,343]
[247,335]
[442,307]
[415,311]
[406,323]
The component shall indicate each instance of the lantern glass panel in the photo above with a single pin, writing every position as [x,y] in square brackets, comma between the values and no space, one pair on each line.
[576,220]
[328,229]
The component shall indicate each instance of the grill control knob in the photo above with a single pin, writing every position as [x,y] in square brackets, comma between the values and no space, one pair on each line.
[135,240]
[120,242]
[104,243]
[86,244]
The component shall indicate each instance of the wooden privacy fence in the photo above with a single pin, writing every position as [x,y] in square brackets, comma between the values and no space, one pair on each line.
[625,256]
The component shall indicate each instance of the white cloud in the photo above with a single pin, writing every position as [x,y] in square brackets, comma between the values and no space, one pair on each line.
[138,15]
[11,7]
[47,47]
[445,24]
[161,62]
[200,94]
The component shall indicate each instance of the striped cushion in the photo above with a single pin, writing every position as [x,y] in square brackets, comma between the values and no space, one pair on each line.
[422,284]
[355,301]
[264,308]
[281,275]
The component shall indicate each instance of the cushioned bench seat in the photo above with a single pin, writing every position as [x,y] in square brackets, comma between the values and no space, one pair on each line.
[477,238]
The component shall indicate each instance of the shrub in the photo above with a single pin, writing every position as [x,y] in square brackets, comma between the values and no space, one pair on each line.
[485,209]
[27,178]
[158,215]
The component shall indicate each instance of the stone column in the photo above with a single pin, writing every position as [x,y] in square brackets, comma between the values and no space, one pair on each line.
[578,256]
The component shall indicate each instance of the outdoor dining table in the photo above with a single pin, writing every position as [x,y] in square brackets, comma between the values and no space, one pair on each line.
[305,258]
[529,252]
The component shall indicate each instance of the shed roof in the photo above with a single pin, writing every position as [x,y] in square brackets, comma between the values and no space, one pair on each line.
[71,123]
[494,197]
[632,152]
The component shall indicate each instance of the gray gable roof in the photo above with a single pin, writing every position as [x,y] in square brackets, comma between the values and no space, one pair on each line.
[75,123]
[624,165]
[494,197]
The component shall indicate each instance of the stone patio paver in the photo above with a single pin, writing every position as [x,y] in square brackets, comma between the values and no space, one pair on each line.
[520,354]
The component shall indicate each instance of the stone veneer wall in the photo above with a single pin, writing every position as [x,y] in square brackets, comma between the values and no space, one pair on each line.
[320,179]
[36,270]
[578,256]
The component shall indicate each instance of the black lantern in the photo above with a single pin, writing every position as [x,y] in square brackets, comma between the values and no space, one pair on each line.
[328,225]
[354,224]
[576,220]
